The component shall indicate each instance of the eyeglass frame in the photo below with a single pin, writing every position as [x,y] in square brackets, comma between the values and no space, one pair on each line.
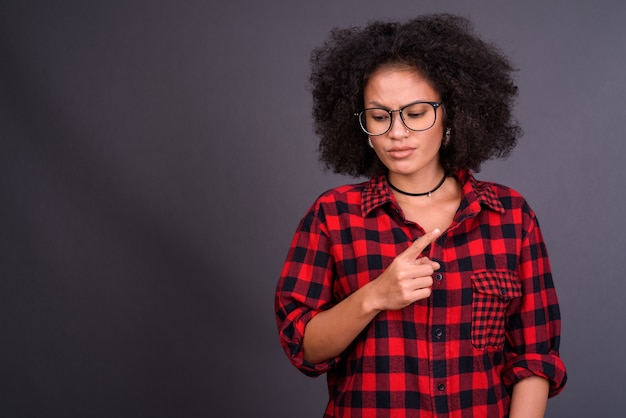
[435,105]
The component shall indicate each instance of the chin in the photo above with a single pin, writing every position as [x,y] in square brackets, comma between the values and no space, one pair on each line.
[404,168]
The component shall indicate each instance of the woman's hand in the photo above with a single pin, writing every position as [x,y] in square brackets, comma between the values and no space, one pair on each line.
[407,279]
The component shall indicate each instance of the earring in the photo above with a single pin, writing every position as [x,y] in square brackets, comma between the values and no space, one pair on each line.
[446,139]
[369,141]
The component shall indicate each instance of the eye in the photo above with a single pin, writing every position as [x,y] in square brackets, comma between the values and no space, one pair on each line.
[417,111]
[413,115]
[377,115]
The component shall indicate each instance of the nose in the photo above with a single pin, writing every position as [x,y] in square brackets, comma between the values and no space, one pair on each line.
[398,129]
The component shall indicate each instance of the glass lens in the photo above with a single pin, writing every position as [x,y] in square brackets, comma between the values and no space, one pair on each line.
[375,121]
[419,116]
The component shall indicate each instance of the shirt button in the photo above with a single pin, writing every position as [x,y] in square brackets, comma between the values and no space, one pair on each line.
[441,387]
[439,277]
[438,332]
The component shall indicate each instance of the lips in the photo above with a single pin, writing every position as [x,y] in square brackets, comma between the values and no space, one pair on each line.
[399,153]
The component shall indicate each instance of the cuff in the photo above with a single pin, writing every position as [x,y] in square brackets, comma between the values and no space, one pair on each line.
[291,340]
[549,366]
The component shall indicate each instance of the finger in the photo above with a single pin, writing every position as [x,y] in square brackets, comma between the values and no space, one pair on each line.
[427,261]
[421,282]
[419,244]
[422,293]
[423,266]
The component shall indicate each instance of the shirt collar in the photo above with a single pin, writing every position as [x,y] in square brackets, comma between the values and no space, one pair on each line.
[477,194]
[474,194]
[376,193]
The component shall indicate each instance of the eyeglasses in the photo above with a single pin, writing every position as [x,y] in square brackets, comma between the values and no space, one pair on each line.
[417,116]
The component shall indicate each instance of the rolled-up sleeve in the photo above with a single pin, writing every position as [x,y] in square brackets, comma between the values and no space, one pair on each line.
[534,320]
[305,288]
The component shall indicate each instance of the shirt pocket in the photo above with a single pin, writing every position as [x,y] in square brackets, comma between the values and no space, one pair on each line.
[493,290]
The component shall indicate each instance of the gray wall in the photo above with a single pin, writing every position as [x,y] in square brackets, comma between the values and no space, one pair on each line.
[156,157]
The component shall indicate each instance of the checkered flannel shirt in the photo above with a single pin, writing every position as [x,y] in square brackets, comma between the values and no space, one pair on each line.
[492,319]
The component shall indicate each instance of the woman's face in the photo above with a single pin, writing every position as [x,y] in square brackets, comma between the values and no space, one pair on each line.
[404,152]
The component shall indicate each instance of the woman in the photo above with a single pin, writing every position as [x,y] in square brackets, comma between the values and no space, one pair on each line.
[423,291]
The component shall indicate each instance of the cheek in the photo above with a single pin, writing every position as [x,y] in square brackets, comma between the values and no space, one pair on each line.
[437,136]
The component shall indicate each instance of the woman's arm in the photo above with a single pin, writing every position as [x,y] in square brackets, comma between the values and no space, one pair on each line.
[530,398]
[406,280]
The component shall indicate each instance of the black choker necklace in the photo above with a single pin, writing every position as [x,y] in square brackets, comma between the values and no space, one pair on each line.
[419,194]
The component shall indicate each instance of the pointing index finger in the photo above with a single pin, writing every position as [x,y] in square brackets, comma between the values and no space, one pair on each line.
[422,242]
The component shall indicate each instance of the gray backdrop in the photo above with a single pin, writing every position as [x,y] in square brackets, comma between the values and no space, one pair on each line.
[156,157]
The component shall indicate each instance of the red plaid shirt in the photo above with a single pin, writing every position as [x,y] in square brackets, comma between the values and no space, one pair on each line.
[492,319]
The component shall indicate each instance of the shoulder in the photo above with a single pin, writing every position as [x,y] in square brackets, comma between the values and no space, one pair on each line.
[513,203]
[340,200]
[350,194]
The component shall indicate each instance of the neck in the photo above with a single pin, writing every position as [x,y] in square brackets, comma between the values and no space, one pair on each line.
[427,193]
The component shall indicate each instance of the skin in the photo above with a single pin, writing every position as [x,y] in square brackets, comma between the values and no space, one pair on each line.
[530,398]
[412,160]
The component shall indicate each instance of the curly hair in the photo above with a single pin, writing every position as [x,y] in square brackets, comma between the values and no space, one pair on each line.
[473,78]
